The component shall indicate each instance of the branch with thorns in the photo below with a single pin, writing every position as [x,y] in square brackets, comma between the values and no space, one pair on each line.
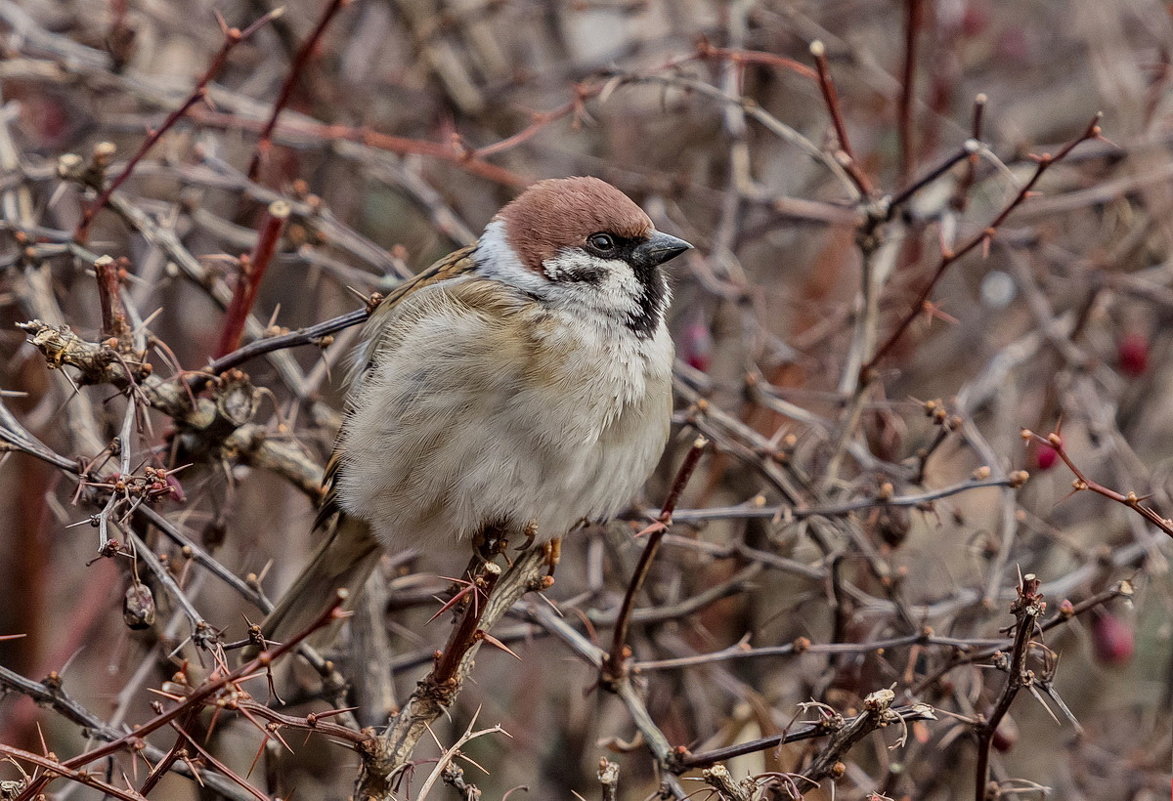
[232,37]
[211,691]
[983,239]
[1027,609]
[1082,483]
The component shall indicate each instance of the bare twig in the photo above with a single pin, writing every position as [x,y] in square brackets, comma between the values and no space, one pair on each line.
[386,756]
[199,695]
[114,321]
[831,97]
[1082,482]
[850,729]
[614,666]
[913,16]
[232,37]
[300,59]
[950,257]
[1027,609]
[252,270]
[313,334]
[51,766]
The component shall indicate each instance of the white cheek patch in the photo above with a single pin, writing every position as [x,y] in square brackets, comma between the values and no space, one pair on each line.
[606,284]
[573,279]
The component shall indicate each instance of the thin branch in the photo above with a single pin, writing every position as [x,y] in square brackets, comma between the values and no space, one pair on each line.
[252,271]
[805,731]
[384,757]
[614,666]
[114,322]
[1082,482]
[913,20]
[1027,609]
[54,768]
[232,37]
[310,335]
[987,234]
[199,695]
[757,511]
[831,98]
[302,57]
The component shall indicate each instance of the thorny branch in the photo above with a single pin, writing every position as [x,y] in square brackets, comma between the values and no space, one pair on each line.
[205,692]
[232,37]
[385,757]
[850,498]
[613,667]
[1027,609]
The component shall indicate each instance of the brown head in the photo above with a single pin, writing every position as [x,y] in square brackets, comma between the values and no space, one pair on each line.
[582,242]
[565,212]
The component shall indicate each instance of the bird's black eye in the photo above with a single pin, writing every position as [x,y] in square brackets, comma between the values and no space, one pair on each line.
[604,243]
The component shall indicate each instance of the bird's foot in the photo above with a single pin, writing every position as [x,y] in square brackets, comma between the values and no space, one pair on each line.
[552,550]
[530,532]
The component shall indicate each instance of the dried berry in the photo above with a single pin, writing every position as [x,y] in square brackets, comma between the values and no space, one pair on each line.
[138,606]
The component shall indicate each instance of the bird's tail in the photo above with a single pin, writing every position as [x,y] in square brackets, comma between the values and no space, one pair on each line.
[345,559]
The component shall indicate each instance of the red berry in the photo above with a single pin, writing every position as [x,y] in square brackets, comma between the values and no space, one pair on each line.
[1006,735]
[1113,639]
[1045,457]
[1132,354]
[698,345]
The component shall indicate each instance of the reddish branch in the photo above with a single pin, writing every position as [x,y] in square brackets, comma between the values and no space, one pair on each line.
[321,132]
[1082,482]
[707,51]
[831,98]
[950,257]
[913,16]
[468,632]
[51,766]
[161,767]
[265,142]
[312,722]
[232,37]
[384,757]
[114,321]
[252,270]
[470,159]
[199,696]
[960,198]
[614,666]
[582,92]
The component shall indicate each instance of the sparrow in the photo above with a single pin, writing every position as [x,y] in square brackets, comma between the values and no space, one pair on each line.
[518,386]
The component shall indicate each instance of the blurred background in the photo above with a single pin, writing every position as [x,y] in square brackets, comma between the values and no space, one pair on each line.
[408,123]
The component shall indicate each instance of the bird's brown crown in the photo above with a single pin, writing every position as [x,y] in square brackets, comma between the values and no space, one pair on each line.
[563,212]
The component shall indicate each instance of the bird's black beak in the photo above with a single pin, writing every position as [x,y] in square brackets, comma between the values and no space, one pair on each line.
[659,249]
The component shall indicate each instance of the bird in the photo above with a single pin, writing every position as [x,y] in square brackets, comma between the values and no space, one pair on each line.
[520,385]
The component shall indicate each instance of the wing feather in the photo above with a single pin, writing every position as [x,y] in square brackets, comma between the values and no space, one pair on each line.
[454,265]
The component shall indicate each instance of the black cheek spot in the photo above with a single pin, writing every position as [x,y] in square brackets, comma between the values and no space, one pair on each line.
[582,275]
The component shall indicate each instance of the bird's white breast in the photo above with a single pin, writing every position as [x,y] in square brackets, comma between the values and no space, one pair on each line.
[483,407]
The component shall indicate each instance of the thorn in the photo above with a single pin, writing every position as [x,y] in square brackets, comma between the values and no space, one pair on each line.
[454,600]
[493,641]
